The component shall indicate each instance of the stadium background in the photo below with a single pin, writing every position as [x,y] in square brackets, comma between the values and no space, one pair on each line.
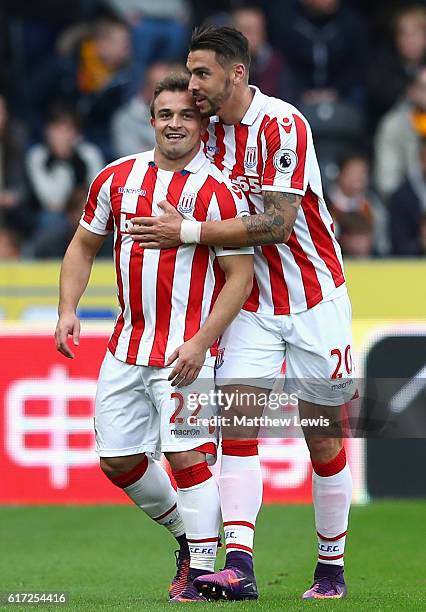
[46,402]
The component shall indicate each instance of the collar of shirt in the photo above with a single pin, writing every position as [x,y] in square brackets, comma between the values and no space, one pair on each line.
[193,166]
[258,102]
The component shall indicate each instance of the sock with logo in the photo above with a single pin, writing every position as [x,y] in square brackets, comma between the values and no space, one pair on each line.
[332,493]
[199,506]
[241,488]
[149,487]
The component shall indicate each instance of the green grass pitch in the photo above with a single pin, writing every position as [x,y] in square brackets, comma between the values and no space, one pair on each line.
[114,558]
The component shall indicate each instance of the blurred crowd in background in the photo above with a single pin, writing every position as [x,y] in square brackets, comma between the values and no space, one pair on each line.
[77,76]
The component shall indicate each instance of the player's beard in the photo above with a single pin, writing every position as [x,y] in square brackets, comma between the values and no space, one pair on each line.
[215,103]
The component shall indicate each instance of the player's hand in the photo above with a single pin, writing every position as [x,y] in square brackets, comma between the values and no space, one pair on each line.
[190,359]
[68,325]
[162,232]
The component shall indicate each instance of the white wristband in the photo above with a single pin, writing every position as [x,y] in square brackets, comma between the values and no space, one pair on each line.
[190,231]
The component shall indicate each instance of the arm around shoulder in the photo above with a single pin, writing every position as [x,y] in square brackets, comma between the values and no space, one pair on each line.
[273,226]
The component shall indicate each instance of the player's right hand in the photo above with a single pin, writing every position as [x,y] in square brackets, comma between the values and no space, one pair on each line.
[68,325]
[189,358]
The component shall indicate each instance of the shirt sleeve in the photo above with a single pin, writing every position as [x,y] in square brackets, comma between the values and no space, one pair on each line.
[287,148]
[97,215]
[228,202]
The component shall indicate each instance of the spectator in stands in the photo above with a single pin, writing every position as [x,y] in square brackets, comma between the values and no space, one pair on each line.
[407,210]
[325,45]
[93,76]
[103,78]
[398,137]
[267,69]
[208,10]
[159,32]
[52,245]
[351,194]
[397,62]
[10,244]
[356,235]
[13,192]
[131,129]
[58,165]
[33,28]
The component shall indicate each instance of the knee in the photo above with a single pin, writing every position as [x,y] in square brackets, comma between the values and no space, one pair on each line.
[185,459]
[116,466]
[324,450]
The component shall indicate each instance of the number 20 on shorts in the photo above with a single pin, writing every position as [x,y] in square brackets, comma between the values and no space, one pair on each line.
[345,359]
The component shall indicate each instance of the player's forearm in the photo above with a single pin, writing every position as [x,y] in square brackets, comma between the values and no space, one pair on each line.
[273,226]
[231,232]
[75,273]
[228,304]
[247,231]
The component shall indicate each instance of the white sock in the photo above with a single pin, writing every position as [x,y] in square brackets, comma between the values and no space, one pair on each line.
[155,495]
[241,488]
[332,499]
[199,506]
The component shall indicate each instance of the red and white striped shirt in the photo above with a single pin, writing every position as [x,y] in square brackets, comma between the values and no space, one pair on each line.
[271,149]
[165,296]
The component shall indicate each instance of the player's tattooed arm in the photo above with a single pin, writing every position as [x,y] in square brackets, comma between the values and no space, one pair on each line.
[275,224]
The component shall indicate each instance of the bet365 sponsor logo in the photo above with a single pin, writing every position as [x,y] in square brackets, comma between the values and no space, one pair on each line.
[248,184]
[126,225]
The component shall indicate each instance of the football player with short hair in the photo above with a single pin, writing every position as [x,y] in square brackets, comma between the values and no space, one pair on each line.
[173,308]
[299,309]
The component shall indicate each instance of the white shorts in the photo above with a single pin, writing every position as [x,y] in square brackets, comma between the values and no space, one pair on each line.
[138,411]
[315,344]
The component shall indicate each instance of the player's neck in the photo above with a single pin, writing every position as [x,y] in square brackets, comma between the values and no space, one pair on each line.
[174,165]
[236,107]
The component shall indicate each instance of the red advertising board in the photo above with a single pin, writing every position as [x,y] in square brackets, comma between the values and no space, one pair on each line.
[46,429]
[46,422]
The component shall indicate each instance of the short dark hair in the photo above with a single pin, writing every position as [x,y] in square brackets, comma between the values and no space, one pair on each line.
[348,156]
[60,111]
[228,43]
[177,81]
[353,223]
[103,25]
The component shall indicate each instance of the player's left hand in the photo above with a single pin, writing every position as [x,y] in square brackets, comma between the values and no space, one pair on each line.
[190,359]
[162,232]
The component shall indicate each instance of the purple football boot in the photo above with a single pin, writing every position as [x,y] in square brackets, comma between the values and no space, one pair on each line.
[180,580]
[189,594]
[235,582]
[329,583]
